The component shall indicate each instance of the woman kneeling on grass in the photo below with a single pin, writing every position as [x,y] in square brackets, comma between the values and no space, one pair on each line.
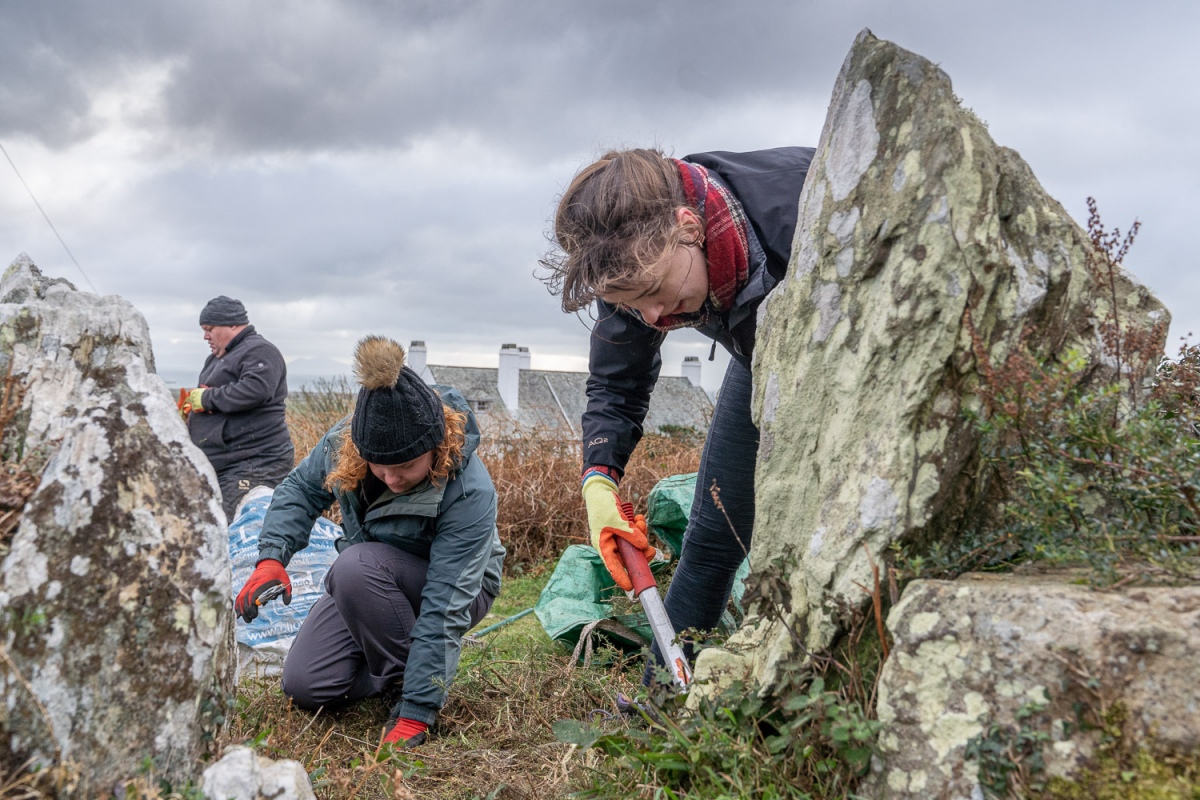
[420,561]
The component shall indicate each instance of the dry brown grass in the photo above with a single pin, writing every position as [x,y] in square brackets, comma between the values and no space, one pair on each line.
[536,472]
[22,782]
[313,411]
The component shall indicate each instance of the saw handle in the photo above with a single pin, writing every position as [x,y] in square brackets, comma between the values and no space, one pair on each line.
[636,565]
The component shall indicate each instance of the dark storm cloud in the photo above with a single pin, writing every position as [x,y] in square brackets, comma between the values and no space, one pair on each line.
[246,78]
[527,73]
[347,167]
[252,77]
[539,77]
[60,54]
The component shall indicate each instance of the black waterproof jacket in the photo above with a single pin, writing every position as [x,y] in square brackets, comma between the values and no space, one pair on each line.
[243,420]
[624,362]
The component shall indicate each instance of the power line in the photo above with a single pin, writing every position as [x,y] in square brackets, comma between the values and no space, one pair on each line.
[47,218]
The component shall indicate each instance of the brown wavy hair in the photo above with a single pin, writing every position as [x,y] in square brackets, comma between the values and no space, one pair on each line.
[350,467]
[615,221]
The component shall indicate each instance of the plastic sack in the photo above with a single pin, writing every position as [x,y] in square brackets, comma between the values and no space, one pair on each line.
[667,508]
[581,592]
[579,595]
[263,643]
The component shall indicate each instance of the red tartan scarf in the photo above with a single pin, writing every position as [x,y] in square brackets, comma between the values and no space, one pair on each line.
[725,245]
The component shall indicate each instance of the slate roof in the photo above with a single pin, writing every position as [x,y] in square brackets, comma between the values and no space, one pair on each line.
[477,384]
[553,399]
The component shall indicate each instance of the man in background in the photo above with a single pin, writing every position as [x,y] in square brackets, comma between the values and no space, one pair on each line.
[237,412]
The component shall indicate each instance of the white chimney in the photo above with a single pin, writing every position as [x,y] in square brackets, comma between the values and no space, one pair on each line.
[417,360]
[525,358]
[416,356]
[508,379]
[691,369]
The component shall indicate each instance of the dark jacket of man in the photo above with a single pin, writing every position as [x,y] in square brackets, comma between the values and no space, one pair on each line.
[244,421]
[625,361]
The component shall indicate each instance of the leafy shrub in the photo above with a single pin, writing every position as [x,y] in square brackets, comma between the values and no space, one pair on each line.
[1010,758]
[808,744]
[1107,477]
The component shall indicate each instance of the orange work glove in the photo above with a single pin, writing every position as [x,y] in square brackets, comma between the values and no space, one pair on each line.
[183,405]
[269,573]
[195,399]
[609,518]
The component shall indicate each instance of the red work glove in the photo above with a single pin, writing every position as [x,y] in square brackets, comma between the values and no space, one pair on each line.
[190,400]
[406,733]
[609,518]
[268,573]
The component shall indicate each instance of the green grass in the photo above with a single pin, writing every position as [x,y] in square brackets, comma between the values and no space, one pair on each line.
[521,592]
[524,721]
[518,637]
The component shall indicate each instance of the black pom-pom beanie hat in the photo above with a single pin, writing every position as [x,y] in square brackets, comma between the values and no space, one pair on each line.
[396,416]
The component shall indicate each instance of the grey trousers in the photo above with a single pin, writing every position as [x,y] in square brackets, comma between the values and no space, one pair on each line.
[355,641]
[238,479]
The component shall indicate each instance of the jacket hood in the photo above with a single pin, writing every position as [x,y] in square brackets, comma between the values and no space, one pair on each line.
[452,398]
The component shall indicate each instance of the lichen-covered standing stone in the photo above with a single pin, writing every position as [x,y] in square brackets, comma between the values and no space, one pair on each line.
[916,231]
[116,630]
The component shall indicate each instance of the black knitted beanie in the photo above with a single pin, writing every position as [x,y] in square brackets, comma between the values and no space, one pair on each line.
[396,417]
[224,311]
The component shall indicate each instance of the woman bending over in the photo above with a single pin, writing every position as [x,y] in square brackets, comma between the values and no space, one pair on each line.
[662,243]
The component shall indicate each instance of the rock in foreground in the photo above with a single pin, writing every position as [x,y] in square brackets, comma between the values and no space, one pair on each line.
[1039,655]
[116,629]
[242,774]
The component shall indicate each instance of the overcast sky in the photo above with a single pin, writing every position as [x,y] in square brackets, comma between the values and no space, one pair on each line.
[367,166]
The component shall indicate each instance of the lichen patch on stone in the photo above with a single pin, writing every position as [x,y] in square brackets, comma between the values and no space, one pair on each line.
[853,150]
[878,507]
[922,623]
